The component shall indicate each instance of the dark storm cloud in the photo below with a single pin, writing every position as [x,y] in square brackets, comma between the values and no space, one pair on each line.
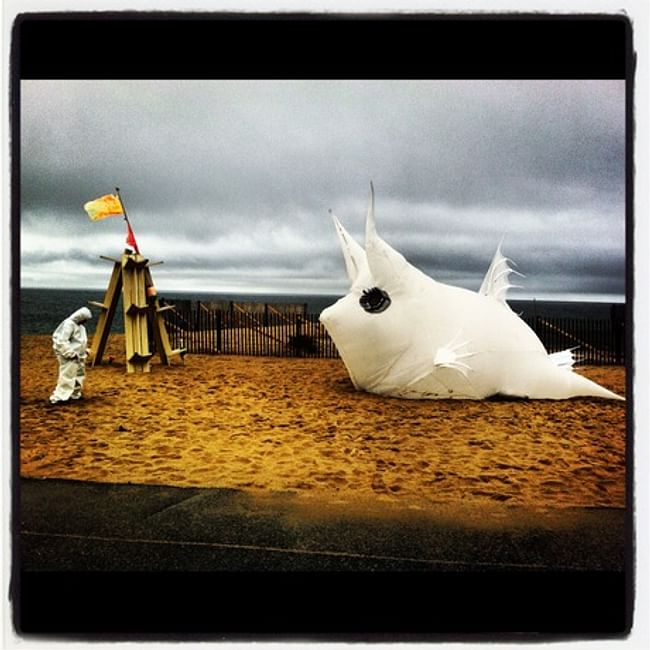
[240,175]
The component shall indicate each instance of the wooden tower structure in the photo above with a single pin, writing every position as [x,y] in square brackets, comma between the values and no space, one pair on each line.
[143,318]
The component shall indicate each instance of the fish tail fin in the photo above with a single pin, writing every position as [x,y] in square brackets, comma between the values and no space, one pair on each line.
[586,388]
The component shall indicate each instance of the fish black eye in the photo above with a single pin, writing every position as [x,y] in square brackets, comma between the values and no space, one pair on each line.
[374,300]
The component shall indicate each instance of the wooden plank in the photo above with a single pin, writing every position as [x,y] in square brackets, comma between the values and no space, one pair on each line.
[213,332]
[218,330]
[127,295]
[140,287]
[159,329]
[135,317]
[130,262]
[141,316]
[152,317]
[140,361]
[105,318]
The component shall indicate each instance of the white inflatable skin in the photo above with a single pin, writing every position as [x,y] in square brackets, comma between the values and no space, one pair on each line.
[422,339]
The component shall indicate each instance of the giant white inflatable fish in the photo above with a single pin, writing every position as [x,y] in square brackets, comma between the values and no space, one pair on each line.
[401,333]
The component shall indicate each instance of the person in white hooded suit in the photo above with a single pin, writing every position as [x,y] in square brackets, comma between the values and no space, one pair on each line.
[69,342]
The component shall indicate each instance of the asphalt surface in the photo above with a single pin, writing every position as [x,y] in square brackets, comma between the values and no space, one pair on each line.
[102,559]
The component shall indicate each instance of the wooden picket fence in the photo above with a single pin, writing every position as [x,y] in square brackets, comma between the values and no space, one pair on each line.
[288,330]
[596,341]
[255,329]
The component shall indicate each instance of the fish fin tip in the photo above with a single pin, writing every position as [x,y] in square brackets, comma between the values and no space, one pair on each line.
[452,356]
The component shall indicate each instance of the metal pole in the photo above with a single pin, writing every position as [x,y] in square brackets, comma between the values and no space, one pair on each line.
[128,223]
[126,217]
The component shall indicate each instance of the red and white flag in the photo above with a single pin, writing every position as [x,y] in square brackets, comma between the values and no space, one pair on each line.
[130,238]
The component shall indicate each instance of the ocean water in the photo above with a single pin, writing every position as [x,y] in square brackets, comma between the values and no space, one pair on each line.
[39,311]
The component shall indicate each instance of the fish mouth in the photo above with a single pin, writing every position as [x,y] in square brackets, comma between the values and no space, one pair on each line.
[333,325]
[326,318]
[329,318]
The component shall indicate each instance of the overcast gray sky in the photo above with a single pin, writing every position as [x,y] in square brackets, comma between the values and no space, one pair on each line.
[230,182]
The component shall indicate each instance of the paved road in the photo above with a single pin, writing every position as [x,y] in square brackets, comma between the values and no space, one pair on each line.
[95,556]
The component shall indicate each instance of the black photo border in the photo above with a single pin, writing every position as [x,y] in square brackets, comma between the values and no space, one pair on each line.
[400,606]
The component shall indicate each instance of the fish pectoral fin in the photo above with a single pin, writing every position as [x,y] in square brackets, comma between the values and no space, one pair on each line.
[462,368]
[452,355]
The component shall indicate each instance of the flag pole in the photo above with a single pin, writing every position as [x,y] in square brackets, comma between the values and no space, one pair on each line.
[128,223]
[126,217]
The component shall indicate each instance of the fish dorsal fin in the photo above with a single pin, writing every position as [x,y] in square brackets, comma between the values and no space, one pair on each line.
[356,264]
[497,279]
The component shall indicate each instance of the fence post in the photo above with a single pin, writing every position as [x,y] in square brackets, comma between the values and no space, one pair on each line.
[619,342]
[297,339]
[218,326]
[617,314]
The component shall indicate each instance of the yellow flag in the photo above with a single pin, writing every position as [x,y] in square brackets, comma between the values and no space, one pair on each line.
[105,206]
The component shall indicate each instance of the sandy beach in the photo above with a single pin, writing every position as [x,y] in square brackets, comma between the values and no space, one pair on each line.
[267,424]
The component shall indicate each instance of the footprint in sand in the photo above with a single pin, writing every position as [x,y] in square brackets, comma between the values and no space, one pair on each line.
[553,485]
[301,485]
[378,484]
[496,496]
